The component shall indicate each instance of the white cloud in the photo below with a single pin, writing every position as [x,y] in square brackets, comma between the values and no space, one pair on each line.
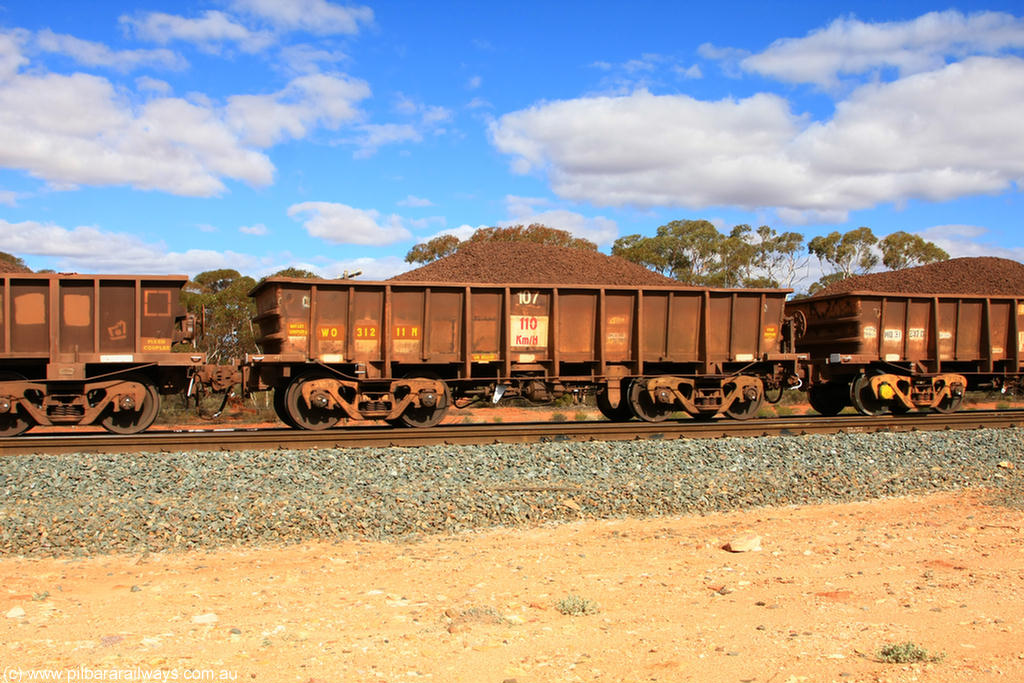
[316,16]
[87,249]
[327,100]
[474,82]
[306,59]
[969,240]
[525,211]
[258,229]
[368,268]
[415,201]
[342,224]
[376,135]
[167,143]
[849,46]
[185,147]
[936,135]
[92,53]
[11,58]
[146,83]
[209,32]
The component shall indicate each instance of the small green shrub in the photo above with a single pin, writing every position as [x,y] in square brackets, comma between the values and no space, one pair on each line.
[906,653]
[559,417]
[574,605]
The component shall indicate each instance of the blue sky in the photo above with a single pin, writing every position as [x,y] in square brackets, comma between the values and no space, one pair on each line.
[178,137]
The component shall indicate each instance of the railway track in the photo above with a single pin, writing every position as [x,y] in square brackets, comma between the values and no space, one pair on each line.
[198,440]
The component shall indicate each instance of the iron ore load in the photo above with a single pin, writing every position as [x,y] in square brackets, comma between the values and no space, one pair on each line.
[917,338]
[90,349]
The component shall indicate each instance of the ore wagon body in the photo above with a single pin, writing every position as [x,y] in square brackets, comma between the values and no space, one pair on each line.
[85,349]
[404,352]
[893,352]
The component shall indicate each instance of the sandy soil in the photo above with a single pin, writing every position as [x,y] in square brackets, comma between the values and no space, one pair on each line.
[830,587]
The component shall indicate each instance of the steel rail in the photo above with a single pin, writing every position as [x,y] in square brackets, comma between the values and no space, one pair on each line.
[199,440]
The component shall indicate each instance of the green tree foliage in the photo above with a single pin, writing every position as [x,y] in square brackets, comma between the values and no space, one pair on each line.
[446,245]
[432,250]
[686,250]
[695,252]
[535,232]
[849,253]
[296,273]
[220,299]
[780,257]
[10,263]
[903,250]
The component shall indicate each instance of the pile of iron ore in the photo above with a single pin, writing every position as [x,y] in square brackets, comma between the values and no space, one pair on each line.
[531,263]
[978,275]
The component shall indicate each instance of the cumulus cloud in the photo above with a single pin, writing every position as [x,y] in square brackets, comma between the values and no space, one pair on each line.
[210,31]
[368,268]
[343,224]
[314,99]
[87,249]
[315,16]
[849,46]
[91,53]
[970,240]
[186,147]
[258,229]
[935,135]
[528,210]
[373,136]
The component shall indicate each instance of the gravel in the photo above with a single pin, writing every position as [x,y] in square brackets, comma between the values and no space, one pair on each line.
[985,275]
[531,263]
[66,505]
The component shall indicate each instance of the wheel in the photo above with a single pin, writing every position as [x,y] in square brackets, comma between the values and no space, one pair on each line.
[280,406]
[950,404]
[304,416]
[643,406]
[14,421]
[619,413]
[864,400]
[133,421]
[424,416]
[744,410]
[829,398]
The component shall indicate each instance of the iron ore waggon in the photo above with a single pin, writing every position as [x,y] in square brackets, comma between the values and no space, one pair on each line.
[405,352]
[90,349]
[894,352]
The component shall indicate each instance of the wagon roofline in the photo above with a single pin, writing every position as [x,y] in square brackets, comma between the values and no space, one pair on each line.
[414,284]
[912,295]
[94,276]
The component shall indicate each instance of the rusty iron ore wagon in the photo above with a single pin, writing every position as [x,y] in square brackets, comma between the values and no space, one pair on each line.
[405,352]
[894,352]
[90,349]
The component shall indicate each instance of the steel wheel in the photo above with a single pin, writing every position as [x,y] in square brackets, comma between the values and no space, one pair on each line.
[619,413]
[828,398]
[14,421]
[133,421]
[304,416]
[424,416]
[643,406]
[950,404]
[864,400]
[744,410]
[280,407]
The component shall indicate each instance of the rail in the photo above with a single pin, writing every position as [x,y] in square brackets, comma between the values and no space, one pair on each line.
[200,440]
